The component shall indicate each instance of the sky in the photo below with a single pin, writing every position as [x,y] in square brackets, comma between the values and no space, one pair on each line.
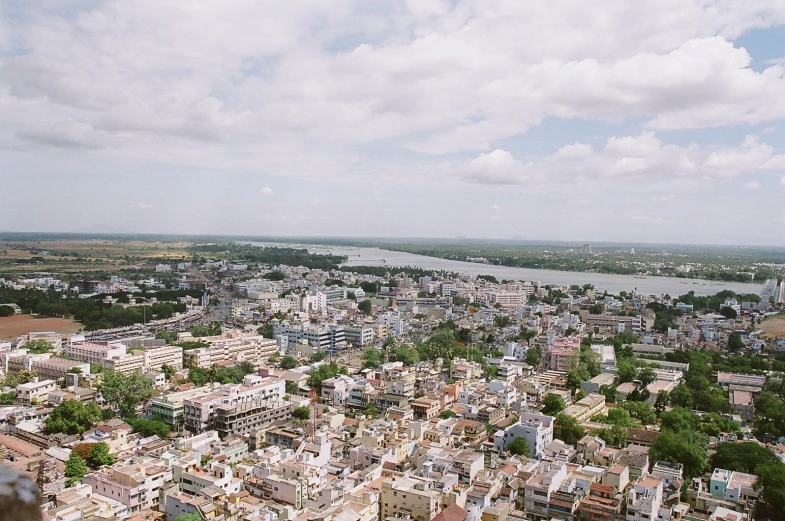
[648,121]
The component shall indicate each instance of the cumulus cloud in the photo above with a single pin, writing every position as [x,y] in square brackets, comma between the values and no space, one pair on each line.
[752,185]
[140,206]
[626,157]
[266,190]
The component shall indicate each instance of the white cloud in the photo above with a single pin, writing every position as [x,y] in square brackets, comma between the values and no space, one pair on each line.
[496,207]
[140,206]
[753,185]
[627,157]
[782,181]
[266,190]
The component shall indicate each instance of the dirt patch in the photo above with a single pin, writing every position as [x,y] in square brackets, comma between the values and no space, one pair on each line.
[774,327]
[18,325]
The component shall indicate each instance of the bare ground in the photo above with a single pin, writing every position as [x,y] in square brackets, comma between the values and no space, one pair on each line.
[17,325]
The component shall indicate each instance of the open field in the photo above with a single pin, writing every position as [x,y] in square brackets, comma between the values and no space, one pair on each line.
[17,325]
[85,255]
[774,326]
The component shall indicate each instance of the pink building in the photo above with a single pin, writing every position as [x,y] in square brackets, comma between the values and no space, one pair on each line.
[135,486]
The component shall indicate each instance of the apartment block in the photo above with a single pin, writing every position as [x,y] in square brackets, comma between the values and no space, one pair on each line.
[36,391]
[199,411]
[245,417]
[536,429]
[135,486]
[409,496]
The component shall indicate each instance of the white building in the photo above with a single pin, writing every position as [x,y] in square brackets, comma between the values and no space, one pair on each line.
[536,429]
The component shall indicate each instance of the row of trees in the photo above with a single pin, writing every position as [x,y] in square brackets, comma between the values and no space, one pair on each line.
[92,312]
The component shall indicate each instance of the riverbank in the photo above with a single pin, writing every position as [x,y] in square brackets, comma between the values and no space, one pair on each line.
[609,282]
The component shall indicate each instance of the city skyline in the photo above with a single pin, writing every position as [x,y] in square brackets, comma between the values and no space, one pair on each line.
[658,123]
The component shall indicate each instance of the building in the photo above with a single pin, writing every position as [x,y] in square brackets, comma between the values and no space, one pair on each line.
[199,412]
[409,496]
[587,407]
[57,368]
[359,336]
[245,417]
[93,353]
[169,407]
[136,486]
[35,392]
[324,338]
[733,486]
[536,429]
[156,357]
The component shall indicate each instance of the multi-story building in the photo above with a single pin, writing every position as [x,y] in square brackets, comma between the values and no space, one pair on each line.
[409,496]
[586,407]
[644,499]
[57,368]
[359,336]
[125,363]
[135,486]
[232,348]
[169,407]
[324,337]
[199,411]
[336,390]
[536,429]
[93,353]
[35,392]
[505,298]
[245,417]
[155,357]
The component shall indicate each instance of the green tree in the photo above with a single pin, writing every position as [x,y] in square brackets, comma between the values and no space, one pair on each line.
[686,447]
[647,376]
[188,517]
[617,416]
[372,358]
[288,362]
[37,346]
[533,356]
[446,414]
[154,427]
[8,398]
[681,396]
[365,306]
[573,380]
[678,419]
[553,404]
[26,376]
[100,456]
[406,354]
[735,342]
[371,411]
[771,478]
[168,371]
[75,468]
[266,330]
[72,417]
[302,413]
[626,370]
[641,411]
[123,392]
[742,457]
[292,387]
[615,435]
[568,429]
[519,447]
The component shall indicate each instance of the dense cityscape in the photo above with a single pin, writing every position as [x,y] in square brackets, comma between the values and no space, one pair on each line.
[227,384]
[398,260]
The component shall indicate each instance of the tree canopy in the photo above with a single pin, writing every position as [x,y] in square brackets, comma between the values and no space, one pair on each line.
[73,417]
[125,391]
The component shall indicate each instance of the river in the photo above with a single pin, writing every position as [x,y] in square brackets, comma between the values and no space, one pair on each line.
[602,281]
